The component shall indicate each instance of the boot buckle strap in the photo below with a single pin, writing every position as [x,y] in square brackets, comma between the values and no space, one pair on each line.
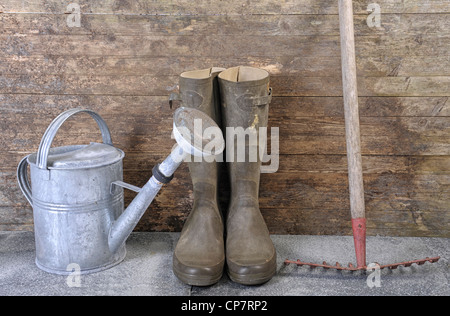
[250,100]
[174,96]
[189,98]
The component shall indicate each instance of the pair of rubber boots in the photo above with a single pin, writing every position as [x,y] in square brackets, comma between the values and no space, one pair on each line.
[236,98]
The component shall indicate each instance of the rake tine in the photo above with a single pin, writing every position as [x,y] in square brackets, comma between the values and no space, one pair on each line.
[351,267]
[410,263]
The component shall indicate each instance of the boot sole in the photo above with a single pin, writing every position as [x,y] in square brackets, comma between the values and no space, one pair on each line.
[251,279]
[197,280]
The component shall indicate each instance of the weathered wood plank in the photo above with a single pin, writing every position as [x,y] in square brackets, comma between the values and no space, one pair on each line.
[49,106]
[146,85]
[320,133]
[367,86]
[231,7]
[285,221]
[371,145]
[299,135]
[416,165]
[218,46]
[305,66]
[306,190]
[257,25]
[383,223]
[368,106]
[405,201]
[405,195]
[289,164]
[301,189]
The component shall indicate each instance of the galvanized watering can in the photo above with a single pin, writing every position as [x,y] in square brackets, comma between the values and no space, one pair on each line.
[77,194]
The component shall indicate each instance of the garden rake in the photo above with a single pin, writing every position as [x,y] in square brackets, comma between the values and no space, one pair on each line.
[352,131]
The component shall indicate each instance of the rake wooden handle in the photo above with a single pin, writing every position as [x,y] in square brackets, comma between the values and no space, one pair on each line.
[352,128]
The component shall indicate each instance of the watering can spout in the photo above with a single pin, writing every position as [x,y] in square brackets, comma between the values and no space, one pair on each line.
[162,174]
[185,130]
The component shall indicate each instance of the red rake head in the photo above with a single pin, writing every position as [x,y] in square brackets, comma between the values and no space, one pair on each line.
[359,238]
[351,267]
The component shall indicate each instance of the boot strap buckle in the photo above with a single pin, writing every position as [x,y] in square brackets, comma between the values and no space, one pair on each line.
[248,100]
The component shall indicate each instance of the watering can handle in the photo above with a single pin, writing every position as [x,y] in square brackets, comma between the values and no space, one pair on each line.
[24,182]
[50,133]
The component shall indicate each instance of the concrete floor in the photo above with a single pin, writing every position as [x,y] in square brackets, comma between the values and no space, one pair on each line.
[147,269]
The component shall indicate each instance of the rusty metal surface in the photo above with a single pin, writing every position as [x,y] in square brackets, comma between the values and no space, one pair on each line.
[351,267]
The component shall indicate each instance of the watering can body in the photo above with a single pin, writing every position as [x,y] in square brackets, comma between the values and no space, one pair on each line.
[75,201]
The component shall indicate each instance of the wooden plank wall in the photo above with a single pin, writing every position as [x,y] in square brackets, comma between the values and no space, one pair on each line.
[124,61]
